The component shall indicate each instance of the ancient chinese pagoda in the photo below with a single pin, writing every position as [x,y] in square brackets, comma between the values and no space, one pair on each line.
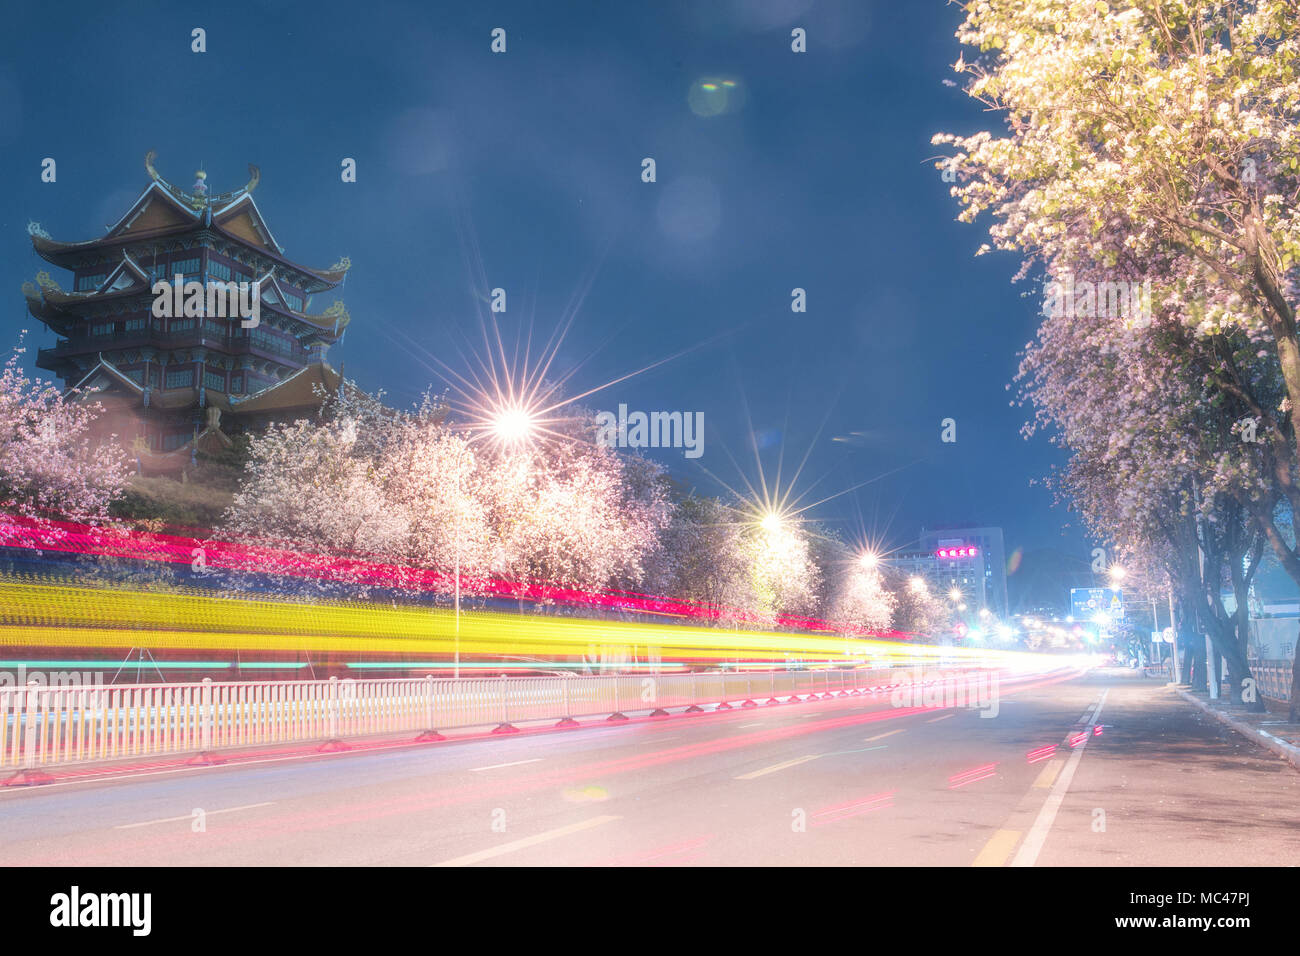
[175,386]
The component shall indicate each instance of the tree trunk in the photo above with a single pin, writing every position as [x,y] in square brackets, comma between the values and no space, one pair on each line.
[1239,664]
[1195,645]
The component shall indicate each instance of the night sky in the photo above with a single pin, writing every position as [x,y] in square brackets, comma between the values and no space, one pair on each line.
[524,169]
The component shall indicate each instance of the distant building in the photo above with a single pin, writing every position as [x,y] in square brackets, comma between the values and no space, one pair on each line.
[971,559]
[174,385]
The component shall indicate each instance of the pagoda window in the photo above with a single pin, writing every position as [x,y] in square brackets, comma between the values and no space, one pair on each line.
[214,380]
[172,442]
[218,270]
[236,384]
[182,325]
[189,268]
[91,283]
[293,301]
[270,343]
[215,327]
[182,379]
[136,325]
[136,375]
[105,328]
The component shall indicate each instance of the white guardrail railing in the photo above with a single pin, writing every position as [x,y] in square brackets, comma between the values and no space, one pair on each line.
[44,726]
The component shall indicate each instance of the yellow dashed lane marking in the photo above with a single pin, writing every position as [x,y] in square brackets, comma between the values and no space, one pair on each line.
[998,848]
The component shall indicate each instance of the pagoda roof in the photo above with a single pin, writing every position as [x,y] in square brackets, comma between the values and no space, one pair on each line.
[241,219]
[126,278]
[299,390]
[49,303]
[102,376]
[128,268]
[164,210]
[334,319]
[105,376]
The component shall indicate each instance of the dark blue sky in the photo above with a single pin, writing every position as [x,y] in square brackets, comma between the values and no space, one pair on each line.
[817,179]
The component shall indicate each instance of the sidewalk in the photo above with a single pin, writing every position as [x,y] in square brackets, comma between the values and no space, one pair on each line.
[1270,730]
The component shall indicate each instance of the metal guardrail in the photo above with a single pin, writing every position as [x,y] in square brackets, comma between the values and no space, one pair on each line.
[1161,669]
[44,726]
[1273,678]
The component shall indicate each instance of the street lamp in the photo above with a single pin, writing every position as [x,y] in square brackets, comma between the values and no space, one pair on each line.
[460,504]
[512,424]
[869,560]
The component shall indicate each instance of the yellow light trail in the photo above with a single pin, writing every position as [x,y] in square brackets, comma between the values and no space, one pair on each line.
[65,615]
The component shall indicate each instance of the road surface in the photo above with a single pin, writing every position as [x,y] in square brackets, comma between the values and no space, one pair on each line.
[836,782]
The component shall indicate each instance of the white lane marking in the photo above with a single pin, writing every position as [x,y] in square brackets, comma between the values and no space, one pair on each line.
[526,842]
[936,719]
[779,766]
[190,816]
[498,766]
[1033,844]
[743,726]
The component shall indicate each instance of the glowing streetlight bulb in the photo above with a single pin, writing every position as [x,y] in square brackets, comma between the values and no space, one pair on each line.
[955,594]
[918,585]
[771,522]
[869,560]
[1117,573]
[512,424]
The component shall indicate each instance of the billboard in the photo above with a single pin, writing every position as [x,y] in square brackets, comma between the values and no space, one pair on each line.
[1087,603]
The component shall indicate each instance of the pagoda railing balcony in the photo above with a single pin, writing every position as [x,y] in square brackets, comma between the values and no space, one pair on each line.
[237,344]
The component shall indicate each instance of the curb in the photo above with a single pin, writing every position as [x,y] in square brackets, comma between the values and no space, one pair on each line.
[1261,737]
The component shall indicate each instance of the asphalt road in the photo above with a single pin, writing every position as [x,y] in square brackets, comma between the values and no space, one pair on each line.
[841,782]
